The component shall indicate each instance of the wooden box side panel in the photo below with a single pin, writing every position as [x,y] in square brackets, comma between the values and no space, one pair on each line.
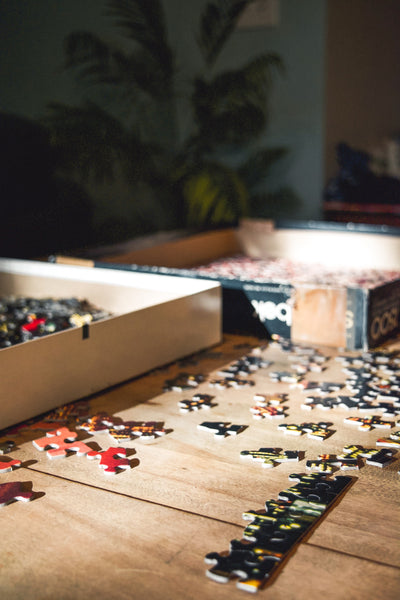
[319,316]
[185,253]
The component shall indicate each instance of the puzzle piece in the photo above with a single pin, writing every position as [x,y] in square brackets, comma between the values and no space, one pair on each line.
[229,382]
[368,422]
[251,569]
[244,366]
[315,488]
[8,464]
[198,402]
[322,387]
[111,460]
[393,441]
[270,412]
[11,491]
[7,446]
[285,377]
[373,456]
[75,410]
[320,402]
[145,430]
[99,422]
[318,431]
[269,399]
[326,462]
[60,442]
[221,430]
[269,456]
[182,382]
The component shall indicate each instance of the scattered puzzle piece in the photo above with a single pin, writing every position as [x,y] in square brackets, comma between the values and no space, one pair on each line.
[99,422]
[269,399]
[182,382]
[60,442]
[368,422]
[7,446]
[221,430]
[373,456]
[393,441]
[269,456]
[270,412]
[326,462]
[320,402]
[111,460]
[198,402]
[145,430]
[244,366]
[322,387]
[11,491]
[285,377]
[8,464]
[229,382]
[318,431]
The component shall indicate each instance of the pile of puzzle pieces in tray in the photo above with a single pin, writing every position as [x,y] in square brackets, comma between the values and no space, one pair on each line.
[371,390]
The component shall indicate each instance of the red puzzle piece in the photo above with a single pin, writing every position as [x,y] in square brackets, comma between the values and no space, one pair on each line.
[111,460]
[7,463]
[11,491]
[61,441]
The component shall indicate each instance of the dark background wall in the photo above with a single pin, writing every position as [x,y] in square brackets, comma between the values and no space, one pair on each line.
[341,83]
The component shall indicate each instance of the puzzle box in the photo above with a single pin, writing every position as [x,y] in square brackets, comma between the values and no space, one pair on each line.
[341,316]
[155,320]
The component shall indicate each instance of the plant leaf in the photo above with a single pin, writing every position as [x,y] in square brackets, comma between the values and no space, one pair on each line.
[93,144]
[143,21]
[214,194]
[257,166]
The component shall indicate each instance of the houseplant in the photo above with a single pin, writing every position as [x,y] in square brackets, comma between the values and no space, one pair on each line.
[126,129]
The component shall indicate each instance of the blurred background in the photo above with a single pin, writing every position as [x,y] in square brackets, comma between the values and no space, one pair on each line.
[122,118]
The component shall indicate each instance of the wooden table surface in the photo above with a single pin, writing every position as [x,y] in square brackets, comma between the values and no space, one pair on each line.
[144,532]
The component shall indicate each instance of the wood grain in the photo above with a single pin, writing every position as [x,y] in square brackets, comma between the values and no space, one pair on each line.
[145,532]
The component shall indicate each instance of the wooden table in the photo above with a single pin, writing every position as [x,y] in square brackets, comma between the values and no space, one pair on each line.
[143,533]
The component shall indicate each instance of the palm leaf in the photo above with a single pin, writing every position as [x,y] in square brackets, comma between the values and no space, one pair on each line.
[95,145]
[143,21]
[217,22]
[257,166]
[214,194]
[99,63]
[233,107]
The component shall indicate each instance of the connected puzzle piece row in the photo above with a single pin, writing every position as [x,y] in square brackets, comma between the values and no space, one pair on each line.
[273,533]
